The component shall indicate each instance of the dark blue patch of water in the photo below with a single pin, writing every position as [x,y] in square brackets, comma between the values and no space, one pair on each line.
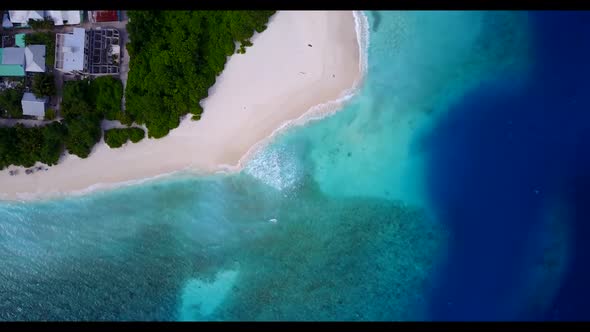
[498,160]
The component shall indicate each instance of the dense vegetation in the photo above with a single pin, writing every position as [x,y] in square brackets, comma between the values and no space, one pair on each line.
[50,114]
[43,38]
[10,102]
[43,85]
[116,137]
[83,134]
[45,24]
[85,103]
[25,146]
[107,92]
[175,58]
[81,117]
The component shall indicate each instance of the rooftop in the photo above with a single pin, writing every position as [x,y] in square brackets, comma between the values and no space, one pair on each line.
[69,50]
[61,17]
[23,16]
[20,39]
[6,21]
[13,56]
[35,58]
[10,70]
[105,15]
[32,105]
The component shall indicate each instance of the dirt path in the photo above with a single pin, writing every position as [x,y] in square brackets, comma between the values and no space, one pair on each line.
[25,122]
[124,70]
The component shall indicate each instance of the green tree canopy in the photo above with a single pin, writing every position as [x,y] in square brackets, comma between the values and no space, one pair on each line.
[10,101]
[24,146]
[45,24]
[83,133]
[176,57]
[106,93]
[77,99]
[81,118]
[43,85]
[116,137]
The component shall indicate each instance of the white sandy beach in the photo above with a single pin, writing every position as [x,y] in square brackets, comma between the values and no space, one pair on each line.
[278,79]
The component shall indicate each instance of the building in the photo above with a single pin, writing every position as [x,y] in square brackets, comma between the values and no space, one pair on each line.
[6,24]
[33,106]
[92,52]
[15,61]
[12,61]
[103,52]
[104,16]
[69,51]
[35,58]
[20,18]
[64,17]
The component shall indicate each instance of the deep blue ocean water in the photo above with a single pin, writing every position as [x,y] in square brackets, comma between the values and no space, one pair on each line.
[496,173]
[453,186]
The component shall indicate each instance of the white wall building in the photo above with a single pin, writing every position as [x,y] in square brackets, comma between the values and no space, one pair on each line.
[22,17]
[33,106]
[59,17]
[6,21]
[69,50]
[64,17]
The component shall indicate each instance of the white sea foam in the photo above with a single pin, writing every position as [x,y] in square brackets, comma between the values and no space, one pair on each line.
[274,168]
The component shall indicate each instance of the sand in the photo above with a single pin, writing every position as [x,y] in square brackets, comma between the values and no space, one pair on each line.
[278,80]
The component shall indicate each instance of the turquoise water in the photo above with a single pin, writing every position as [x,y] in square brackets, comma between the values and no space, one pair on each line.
[329,222]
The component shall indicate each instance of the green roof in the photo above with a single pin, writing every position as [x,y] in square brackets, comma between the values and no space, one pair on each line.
[20,39]
[12,70]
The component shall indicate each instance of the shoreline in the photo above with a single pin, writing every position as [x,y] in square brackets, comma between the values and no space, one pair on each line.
[323,110]
[243,133]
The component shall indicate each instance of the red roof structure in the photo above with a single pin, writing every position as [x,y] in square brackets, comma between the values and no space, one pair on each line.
[105,15]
